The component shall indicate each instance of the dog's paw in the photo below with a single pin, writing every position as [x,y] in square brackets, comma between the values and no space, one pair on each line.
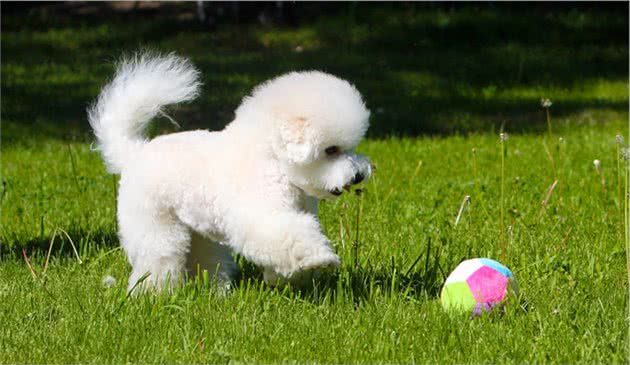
[299,279]
[325,260]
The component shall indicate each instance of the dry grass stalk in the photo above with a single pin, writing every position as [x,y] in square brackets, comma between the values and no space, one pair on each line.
[543,204]
[52,243]
[28,263]
[461,209]
[74,248]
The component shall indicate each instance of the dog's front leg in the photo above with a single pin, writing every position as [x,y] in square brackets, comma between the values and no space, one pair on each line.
[286,243]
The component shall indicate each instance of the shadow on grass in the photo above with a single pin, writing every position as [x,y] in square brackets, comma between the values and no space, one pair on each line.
[361,283]
[423,69]
[61,244]
[356,284]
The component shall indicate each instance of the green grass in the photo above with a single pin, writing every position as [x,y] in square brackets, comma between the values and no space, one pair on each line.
[382,306]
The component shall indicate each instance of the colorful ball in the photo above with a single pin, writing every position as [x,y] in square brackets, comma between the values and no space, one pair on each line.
[477,285]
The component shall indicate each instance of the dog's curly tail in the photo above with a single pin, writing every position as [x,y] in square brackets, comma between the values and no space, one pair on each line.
[142,85]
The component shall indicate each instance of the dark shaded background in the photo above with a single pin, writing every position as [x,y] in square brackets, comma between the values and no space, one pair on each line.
[424,68]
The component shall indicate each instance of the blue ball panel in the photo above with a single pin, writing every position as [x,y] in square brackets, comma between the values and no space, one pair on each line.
[497,266]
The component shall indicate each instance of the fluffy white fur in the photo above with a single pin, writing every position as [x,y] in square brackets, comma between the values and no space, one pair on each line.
[188,200]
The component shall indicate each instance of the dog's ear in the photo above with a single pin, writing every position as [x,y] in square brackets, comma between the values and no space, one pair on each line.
[293,132]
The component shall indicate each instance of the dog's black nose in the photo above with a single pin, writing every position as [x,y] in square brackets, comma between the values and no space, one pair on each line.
[357,178]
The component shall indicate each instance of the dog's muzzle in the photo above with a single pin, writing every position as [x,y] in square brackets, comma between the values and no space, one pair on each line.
[336,192]
[364,168]
[357,178]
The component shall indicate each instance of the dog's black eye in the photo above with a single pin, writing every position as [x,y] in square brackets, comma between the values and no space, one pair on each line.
[332,150]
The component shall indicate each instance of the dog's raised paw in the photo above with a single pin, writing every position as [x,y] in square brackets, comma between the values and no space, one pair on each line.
[326,261]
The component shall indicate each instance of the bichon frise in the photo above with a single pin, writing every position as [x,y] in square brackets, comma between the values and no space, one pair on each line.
[188,200]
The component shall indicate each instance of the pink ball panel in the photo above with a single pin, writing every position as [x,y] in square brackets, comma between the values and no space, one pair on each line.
[487,285]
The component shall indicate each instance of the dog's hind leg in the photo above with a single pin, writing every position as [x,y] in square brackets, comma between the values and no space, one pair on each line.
[215,258]
[156,248]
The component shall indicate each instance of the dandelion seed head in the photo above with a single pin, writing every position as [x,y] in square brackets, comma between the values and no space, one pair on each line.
[503,137]
[625,153]
[109,281]
[545,103]
[619,139]
[597,164]
[561,140]
[474,150]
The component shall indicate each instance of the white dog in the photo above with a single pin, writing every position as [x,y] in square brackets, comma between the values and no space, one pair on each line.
[188,200]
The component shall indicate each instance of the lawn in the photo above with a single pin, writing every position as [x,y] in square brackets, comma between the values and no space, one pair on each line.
[442,84]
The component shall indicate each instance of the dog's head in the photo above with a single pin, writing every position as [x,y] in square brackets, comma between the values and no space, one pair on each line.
[317,121]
